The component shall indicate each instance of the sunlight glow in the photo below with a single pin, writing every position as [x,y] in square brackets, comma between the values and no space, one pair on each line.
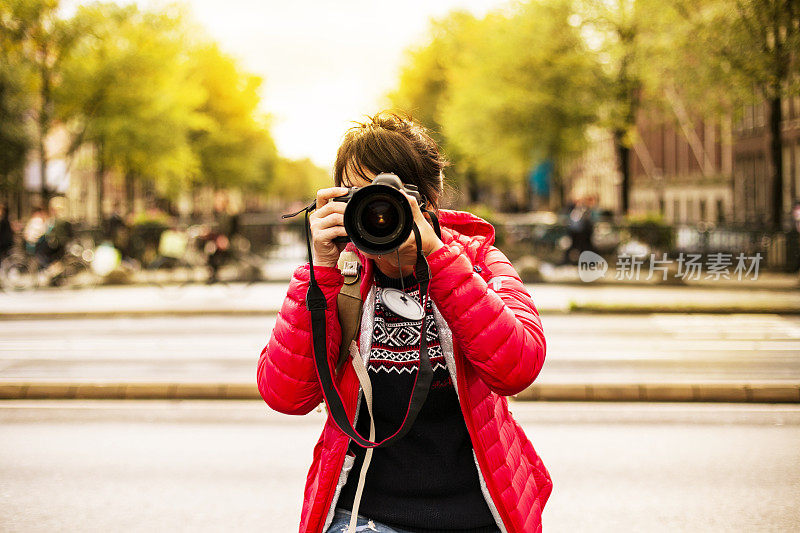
[324,63]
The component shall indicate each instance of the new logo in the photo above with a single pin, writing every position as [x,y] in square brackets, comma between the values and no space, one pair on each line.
[591,266]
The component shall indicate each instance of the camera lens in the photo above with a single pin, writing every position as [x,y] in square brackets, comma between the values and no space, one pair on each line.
[380,217]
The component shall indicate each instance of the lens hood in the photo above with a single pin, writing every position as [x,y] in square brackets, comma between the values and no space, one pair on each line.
[378,217]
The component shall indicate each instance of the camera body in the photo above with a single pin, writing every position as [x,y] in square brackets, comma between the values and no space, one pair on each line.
[378,217]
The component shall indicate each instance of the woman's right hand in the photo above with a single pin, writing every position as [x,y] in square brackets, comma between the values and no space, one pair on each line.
[327,223]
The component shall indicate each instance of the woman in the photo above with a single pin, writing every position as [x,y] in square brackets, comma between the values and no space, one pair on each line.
[466,465]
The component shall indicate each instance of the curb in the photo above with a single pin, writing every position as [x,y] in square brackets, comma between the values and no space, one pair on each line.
[682,309]
[603,392]
[573,309]
[665,392]
[134,313]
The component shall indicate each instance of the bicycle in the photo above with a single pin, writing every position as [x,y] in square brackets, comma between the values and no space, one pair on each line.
[23,270]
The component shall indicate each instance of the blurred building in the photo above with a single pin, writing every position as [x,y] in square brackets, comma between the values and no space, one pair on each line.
[752,191]
[683,169]
[691,170]
[89,191]
[595,172]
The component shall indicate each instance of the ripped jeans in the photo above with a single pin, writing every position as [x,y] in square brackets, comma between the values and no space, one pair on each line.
[341,519]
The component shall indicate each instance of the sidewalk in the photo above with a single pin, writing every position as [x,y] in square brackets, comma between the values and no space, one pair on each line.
[266,299]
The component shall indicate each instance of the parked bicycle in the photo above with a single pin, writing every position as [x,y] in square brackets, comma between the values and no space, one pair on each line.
[22,270]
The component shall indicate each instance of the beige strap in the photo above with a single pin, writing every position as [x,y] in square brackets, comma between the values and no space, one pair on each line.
[349,303]
[366,386]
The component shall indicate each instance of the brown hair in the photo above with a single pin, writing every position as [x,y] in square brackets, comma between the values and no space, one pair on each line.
[388,142]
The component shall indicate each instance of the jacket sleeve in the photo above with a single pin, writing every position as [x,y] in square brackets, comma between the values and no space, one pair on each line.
[495,324]
[287,377]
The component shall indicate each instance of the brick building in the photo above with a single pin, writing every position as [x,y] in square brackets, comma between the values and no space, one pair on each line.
[692,171]
[714,171]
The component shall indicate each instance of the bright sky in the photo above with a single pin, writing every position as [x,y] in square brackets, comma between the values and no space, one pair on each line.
[325,63]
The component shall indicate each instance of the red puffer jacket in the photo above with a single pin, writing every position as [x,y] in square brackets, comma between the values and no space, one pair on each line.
[497,348]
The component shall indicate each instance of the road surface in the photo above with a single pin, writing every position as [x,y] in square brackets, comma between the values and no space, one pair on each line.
[580,348]
[235,466]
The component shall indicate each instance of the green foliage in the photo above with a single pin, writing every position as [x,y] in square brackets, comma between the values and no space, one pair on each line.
[424,79]
[33,43]
[126,88]
[486,213]
[617,33]
[157,102]
[650,228]
[15,83]
[750,42]
[647,218]
[153,218]
[298,180]
[503,91]
[424,84]
[523,97]
[234,144]
[15,138]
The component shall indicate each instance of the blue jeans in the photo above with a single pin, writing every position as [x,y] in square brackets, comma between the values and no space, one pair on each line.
[341,519]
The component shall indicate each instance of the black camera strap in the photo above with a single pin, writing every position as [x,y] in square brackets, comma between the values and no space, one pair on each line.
[316,304]
[435,222]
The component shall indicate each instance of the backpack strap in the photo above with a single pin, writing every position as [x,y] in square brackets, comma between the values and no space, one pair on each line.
[349,303]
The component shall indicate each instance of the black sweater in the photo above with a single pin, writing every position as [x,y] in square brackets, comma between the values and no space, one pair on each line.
[428,480]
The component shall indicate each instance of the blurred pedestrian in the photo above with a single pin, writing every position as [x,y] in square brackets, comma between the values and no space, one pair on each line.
[793,241]
[6,232]
[580,229]
[219,238]
[587,238]
[118,232]
[58,233]
[35,228]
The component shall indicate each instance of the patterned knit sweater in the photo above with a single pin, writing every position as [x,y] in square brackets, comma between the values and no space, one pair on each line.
[427,481]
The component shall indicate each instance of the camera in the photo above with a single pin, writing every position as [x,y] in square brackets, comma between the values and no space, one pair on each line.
[378,217]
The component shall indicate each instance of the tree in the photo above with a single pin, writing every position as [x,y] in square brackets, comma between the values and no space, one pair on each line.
[523,92]
[619,32]
[38,40]
[424,86]
[753,43]
[298,180]
[127,91]
[16,79]
[234,144]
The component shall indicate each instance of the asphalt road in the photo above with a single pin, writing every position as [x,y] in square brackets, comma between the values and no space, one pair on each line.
[580,348]
[236,466]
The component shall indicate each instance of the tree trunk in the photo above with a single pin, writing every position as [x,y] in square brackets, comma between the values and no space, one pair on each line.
[44,191]
[100,182]
[44,121]
[557,190]
[6,190]
[623,162]
[776,157]
[129,191]
[473,192]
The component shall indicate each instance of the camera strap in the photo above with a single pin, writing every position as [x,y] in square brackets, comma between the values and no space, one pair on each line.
[316,304]
[434,222]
